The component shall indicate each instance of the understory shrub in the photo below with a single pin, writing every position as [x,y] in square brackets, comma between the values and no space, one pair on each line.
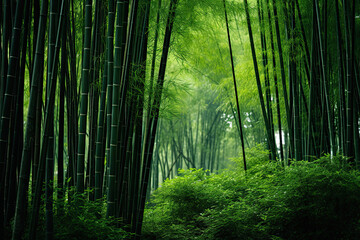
[307,200]
[78,218]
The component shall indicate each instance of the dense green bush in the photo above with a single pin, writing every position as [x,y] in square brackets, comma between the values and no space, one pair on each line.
[255,156]
[79,218]
[308,200]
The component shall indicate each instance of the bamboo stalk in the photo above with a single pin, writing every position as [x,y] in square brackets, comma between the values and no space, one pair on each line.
[235,88]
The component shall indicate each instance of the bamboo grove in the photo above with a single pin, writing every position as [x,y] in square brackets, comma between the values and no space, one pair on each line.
[320,89]
[91,76]
[110,148]
[305,66]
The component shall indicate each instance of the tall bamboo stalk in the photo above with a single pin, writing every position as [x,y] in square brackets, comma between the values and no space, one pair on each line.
[33,116]
[282,71]
[265,115]
[326,91]
[277,98]
[85,79]
[9,98]
[153,61]
[122,7]
[110,74]
[265,63]
[341,80]
[62,80]
[235,87]
[152,126]
[5,40]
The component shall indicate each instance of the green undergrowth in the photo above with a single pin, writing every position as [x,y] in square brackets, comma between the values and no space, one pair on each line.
[307,200]
[78,218]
